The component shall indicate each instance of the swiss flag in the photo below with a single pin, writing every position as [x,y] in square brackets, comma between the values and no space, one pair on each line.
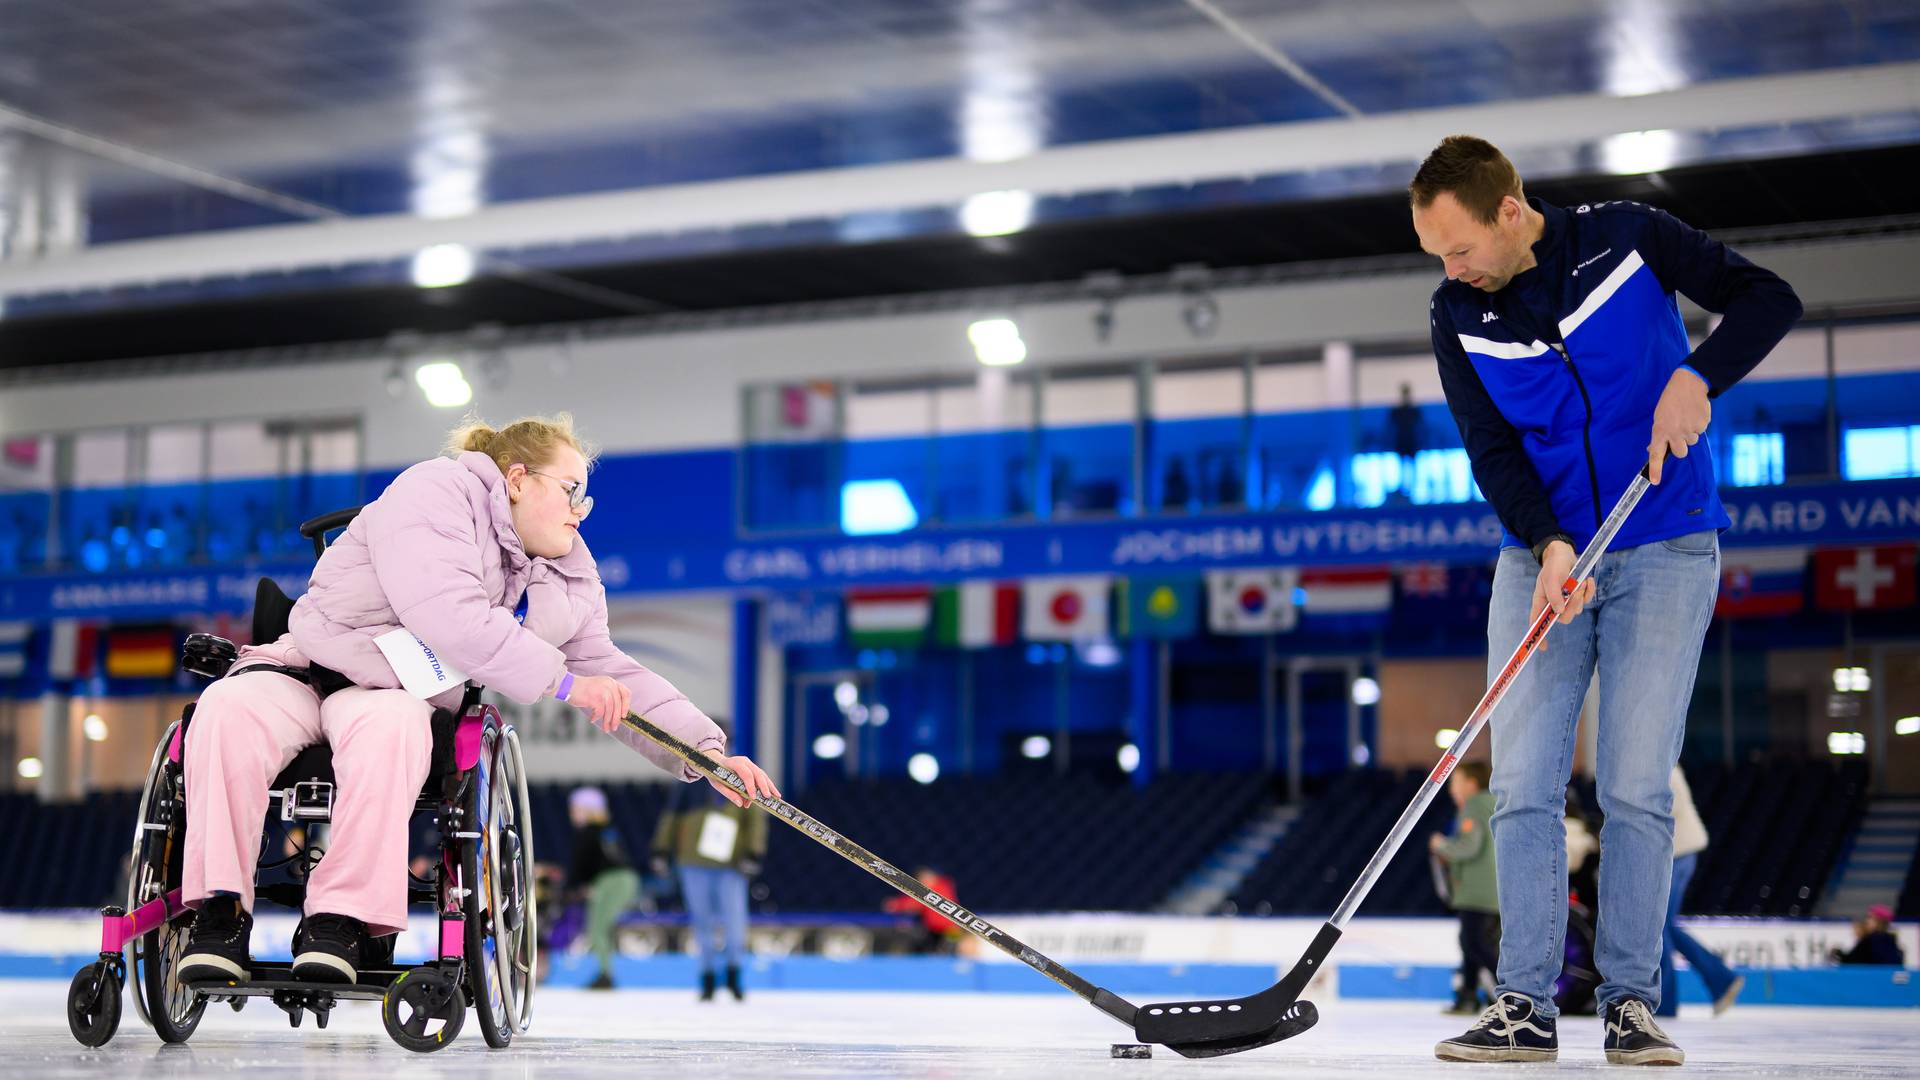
[1856,579]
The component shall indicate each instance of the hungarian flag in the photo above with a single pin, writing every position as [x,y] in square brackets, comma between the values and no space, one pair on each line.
[1864,578]
[1359,590]
[1159,607]
[1761,583]
[888,618]
[1251,601]
[976,614]
[1066,608]
[143,652]
[70,649]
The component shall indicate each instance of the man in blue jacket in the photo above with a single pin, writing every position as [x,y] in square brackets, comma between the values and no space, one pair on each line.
[1567,367]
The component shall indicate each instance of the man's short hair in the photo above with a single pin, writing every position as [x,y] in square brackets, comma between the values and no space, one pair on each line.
[1477,771]
[1473,171]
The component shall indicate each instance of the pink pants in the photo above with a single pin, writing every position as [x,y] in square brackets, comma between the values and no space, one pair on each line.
[249,727]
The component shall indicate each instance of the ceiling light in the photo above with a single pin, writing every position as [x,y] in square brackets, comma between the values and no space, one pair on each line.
[444,384]
[829,746]
[924,768]
[996,342]
[442,265]
[997,213]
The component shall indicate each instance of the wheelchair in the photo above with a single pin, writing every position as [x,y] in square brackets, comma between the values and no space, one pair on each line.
[481,888]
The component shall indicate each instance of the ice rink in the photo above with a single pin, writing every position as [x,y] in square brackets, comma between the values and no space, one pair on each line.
[948,1036]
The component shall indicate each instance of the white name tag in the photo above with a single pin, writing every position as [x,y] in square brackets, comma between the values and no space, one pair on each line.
[422,674]
[717,835]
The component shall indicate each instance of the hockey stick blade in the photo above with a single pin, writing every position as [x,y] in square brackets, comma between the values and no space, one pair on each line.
[1239,1020]
[1298,1018]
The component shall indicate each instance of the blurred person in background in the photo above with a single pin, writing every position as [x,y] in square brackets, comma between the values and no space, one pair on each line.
[1875,943]
[714,846]
[601,870]
[1689,840]
[932,932]
[1472,889]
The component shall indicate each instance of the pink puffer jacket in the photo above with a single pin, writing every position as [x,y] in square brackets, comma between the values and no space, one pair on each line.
[436,553]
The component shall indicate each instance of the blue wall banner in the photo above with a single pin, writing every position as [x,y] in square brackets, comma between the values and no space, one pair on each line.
[1838,513]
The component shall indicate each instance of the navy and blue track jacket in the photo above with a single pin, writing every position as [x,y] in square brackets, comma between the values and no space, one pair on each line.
[1554,378]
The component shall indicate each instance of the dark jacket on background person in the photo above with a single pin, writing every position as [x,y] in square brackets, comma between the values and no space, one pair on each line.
[597,848]
[684,825]
[1554,378]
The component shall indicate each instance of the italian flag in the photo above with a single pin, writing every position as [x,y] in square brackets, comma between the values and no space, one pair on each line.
[888,618]
[977,614]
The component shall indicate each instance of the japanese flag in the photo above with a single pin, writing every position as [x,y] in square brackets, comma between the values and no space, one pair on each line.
[1066,608]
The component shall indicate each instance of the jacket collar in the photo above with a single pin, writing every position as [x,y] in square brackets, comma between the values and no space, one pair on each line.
[1553,235]
[577,563]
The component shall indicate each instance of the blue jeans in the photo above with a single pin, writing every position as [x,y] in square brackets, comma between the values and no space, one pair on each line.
[1713,971]
[1643,631]
[716,900]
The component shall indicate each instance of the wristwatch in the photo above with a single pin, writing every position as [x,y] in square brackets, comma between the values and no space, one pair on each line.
[1540,549]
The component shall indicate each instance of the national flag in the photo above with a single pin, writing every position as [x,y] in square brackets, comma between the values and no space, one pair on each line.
[1159,607]
[1761,582]
[888,618]
[13,648]
[1358,590]
[1424,607]
[1863,578]
[977,614]
[1067,608]
[70,649]
[142,652]
[1252,601]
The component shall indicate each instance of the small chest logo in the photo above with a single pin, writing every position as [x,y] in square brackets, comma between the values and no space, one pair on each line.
[1487,317]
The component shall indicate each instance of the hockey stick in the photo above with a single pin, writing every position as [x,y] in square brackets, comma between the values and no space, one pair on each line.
[1112,1004]
[1212,1028]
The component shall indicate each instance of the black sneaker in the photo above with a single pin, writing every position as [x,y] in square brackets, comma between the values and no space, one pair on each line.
[329,948]
[1634,1039]
[217,947]
[602,981]
[738,991]
[1511,1029]
[707,983]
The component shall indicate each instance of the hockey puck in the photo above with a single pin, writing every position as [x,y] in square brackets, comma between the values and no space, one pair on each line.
[1130,1050]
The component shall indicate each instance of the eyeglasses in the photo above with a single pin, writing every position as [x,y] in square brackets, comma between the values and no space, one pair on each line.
[576,491]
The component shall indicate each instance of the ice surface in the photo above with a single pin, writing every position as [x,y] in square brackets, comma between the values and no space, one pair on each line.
[640,1033]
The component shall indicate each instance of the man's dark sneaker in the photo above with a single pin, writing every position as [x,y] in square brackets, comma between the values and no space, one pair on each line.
[602,981]
[1511,1029]
[707,983]
[217,948]
[1634,1039]
[733,983]
[329,948]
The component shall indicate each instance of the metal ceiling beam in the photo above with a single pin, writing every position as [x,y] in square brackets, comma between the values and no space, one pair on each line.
[1119,164]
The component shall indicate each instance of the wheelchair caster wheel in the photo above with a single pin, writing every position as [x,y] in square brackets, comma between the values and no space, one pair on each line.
[93,1004]
[423,1010]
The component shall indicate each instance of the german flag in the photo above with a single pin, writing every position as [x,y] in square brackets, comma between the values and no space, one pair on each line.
[141,652]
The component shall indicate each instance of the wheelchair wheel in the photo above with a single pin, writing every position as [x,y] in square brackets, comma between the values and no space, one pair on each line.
[501,921]
[93,1004]
[154,957]
[422,1010]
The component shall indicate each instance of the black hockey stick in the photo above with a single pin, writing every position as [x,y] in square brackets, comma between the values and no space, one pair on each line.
[1212,1028]
[1107,1002]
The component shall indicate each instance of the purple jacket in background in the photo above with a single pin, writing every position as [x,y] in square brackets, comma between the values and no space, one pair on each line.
[437,554]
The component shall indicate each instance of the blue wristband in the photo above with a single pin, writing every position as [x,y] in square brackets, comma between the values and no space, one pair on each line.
[566,687]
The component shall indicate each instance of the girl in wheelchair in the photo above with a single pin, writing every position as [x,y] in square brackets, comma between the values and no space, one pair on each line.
[468,567]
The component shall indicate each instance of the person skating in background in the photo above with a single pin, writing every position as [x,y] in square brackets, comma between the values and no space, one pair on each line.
[602,871]
[1689,840]
[714,847]
[1875,943]
[1471,884]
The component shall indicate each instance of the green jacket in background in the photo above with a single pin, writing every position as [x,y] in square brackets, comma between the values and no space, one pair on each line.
[688,838]
[1469,855]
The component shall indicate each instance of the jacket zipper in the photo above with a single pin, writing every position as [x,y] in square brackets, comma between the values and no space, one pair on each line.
[1586,430]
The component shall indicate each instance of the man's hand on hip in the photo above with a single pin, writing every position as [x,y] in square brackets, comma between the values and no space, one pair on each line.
[1556,564]
[1679,419]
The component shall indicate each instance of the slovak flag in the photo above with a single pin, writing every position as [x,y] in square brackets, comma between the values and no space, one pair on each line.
[1761,582]
[1066,608]
[1862,578]
[1252,601]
